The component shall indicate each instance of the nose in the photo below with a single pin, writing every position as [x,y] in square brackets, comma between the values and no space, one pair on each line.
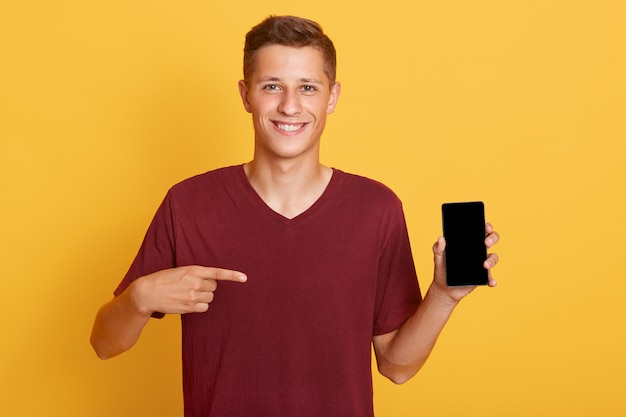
[290,104]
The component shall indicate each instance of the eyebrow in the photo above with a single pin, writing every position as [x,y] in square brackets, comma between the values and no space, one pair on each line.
[302,80]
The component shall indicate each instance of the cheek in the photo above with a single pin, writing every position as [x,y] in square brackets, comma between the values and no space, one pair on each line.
[262,106]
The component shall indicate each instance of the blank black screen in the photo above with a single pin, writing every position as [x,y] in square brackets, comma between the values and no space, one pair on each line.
[464,231]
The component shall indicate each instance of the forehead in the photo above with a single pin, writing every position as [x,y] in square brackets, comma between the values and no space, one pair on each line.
[279,61]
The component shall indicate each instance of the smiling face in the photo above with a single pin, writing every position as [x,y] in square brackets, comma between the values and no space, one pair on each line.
[289,96]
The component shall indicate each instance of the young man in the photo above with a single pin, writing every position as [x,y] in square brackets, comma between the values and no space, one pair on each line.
[313,264]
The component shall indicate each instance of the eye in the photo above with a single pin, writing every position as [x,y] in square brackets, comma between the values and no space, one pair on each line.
[271,87]
[309,89]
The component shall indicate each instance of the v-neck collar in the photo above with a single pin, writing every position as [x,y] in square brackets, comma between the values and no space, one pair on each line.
[256,200]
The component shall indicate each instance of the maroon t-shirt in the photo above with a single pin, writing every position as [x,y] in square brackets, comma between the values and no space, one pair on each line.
[295,339]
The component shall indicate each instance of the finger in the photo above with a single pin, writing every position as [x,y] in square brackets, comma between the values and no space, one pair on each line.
[439,258]
[492,239]
[491,282]
[199,297]
[439,247]
[205,298]
[200,307]
[491,261]
[207,285]
[221,274]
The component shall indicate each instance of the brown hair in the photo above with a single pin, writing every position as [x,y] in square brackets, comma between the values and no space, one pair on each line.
[289,31]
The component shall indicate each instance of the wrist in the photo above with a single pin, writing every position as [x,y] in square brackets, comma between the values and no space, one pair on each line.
[441,297]
[136,299]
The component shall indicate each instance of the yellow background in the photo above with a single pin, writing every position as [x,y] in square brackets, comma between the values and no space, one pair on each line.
[522,104]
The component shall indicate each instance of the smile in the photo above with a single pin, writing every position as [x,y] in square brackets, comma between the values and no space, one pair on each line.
[289,128]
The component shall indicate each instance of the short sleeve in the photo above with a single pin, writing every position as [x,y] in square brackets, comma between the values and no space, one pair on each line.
[398,292]
[158,250]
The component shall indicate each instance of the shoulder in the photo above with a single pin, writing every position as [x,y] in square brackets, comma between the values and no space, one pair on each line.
[366,197]
[210,180]
[369,204]
[204,190]
[364,188]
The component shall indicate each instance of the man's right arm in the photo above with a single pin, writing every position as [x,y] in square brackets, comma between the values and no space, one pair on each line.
[118,324]
[181,290]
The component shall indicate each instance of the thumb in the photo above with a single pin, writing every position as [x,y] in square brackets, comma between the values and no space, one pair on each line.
[439,249]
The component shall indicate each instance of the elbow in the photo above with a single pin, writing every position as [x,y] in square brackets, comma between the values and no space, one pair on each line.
[103,355]
[398,374]
[400,378]
[103,351]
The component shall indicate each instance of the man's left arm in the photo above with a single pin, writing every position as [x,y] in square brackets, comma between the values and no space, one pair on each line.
[401,353]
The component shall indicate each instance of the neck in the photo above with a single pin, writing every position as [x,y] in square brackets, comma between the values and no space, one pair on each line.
[288,188]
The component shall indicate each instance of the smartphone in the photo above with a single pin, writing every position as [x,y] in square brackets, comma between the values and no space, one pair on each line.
[464,231]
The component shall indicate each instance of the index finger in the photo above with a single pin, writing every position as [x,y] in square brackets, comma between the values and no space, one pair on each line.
[492,236]
[221,274]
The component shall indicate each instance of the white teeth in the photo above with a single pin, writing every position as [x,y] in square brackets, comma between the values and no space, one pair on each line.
[288,128]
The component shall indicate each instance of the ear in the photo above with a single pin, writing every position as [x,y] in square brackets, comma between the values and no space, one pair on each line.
[335,91]
[243,92]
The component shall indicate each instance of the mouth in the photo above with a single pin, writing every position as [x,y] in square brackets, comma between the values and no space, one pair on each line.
[289,127]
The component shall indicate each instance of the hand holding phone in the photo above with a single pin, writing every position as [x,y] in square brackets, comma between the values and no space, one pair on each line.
[465,254]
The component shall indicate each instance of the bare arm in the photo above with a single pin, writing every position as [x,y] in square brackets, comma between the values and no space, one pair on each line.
[182,290]
[400,354]
[117,326]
